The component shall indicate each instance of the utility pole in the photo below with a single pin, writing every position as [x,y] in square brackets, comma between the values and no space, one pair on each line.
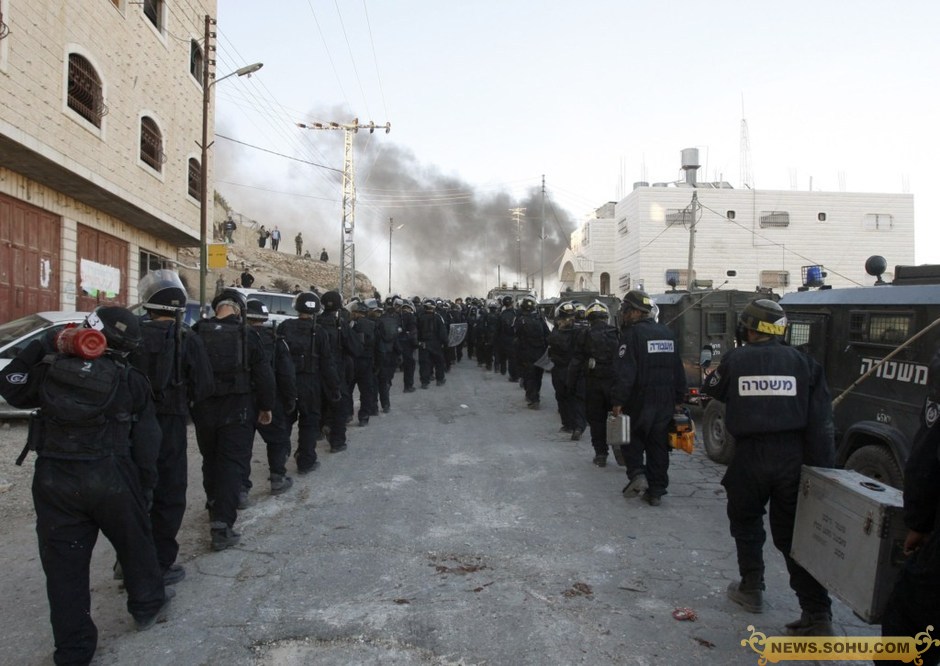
[542,244]
[693,209]
[391,222]
[517,215]
[347,265]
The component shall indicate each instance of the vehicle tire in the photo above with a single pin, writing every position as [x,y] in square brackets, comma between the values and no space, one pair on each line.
[877,462]
[719,444]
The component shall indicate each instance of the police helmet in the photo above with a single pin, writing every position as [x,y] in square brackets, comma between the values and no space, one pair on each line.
[565,310]
[429,304]
[389,301]
[528,304]
[580,309]
[409,306]
[230,297]
[492,304]
[597,310]
[636,299]
[372,304]
[162,290]
[764,316]
[506,301]
[307,302]
[358,306]
[120,327]
[331,301]
[255,310]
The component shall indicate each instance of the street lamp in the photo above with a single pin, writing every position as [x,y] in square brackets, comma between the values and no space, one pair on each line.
[390,229]
[248,70]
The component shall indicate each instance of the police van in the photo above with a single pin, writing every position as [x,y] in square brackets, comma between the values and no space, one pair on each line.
[280,305]
[875,344]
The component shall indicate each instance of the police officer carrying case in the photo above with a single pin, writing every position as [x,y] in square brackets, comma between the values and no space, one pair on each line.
[849,534]
[618,432]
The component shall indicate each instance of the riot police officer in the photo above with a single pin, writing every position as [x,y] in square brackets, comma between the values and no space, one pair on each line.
[364,329]
[504,346]
[176,363]
[561,343]
[776,430]
[407,343]
[432,340]
[531,342]
[276,434]
[315,375]
[343,347]
[97,439]
[244,392]
[387,329]
[595,350]
[649,387]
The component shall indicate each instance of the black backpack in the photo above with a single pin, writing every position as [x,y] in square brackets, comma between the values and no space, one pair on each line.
[156,357]
[299,334]
[226,348]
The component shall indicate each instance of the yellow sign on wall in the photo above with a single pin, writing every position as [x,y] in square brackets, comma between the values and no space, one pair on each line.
[216,255]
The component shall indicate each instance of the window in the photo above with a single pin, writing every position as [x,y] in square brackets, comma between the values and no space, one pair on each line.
[730,214]
[878,222]
[196,62]
[605,283]
[586,235]
[884,328]
[85,95]
[678,277]
[622,226]
[624,282]
[152,262]
[195,179]
[821,217]
[774,279]
[774,219]
[716,323]
[151,144]
[798,333]
[153,10]
[681,216]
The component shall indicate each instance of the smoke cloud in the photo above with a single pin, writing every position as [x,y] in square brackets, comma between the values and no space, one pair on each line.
[457,239]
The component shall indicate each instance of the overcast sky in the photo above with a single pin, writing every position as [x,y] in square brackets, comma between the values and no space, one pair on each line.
[485,97]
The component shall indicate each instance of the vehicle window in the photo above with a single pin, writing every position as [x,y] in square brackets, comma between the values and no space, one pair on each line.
[880,328]
[11,352]
[19,327]
[716,323]
[798,333]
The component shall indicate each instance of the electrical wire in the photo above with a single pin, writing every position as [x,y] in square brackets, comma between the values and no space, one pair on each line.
[375,59]
[352,59]
[272,152]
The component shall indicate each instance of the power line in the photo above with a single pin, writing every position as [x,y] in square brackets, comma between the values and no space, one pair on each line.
[288,157]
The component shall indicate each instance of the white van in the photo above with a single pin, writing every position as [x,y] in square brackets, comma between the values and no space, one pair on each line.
[280,305]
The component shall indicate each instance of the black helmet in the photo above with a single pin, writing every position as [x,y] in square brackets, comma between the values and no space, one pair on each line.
[162,290]
[528,304]
[359,306]
[256,310]
[234,298]
[565,310]
[120,327]
[506,301]
[331,301]
[307,302]
[764,316]
[409,306]
[429,304]
[636,299]
[597,310]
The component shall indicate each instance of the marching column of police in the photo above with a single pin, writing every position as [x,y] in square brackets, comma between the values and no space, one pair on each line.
[110,431]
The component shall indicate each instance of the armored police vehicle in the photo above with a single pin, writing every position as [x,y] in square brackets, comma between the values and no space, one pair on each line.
[875,344]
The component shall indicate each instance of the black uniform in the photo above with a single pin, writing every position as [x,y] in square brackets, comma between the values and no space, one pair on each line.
[93,473]
[363,328]
[486,337]
[561,342]
[914,602]
[225,422]
[407,343]
[276,434]
[531,342]
[778,425]
[387,330]
[343,347]
[180,374]
[315,375]
[432,340]
[504,347]
[592,361]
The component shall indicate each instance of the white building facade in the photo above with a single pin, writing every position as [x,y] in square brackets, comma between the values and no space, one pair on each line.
[101,111]
[742,238]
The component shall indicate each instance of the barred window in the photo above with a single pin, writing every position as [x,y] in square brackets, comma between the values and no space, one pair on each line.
[151,144]
[798,333]
[195,179]
[880,328]
[85,95]
[196,62]
[774,219]
[775,279]
[153,10]
[681,216]
[716,323]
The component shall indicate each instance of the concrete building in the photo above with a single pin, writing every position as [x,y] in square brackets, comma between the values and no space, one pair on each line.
[742,238]
[100,127]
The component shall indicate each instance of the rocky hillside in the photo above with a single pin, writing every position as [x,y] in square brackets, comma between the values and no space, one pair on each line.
[270,268]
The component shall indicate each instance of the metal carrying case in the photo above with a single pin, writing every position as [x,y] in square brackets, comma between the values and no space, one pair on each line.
[618,432]
[849,534]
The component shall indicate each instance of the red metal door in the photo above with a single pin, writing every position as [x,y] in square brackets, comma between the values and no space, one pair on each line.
[102,269]
[30,241]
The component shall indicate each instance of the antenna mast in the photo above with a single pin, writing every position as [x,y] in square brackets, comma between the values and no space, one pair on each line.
[517,215]
[747,178]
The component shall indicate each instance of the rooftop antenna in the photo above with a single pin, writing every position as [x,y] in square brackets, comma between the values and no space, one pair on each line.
[747,178]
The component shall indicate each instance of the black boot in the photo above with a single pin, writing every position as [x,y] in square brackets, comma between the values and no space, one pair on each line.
[749,593]
[811,624]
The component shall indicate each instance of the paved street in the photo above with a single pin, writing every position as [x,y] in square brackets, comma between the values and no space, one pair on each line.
[461,528]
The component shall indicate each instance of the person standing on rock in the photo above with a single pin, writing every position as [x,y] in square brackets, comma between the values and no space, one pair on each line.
[263,236]
[246,278]
[299,243]
[275,238]
[323,255]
